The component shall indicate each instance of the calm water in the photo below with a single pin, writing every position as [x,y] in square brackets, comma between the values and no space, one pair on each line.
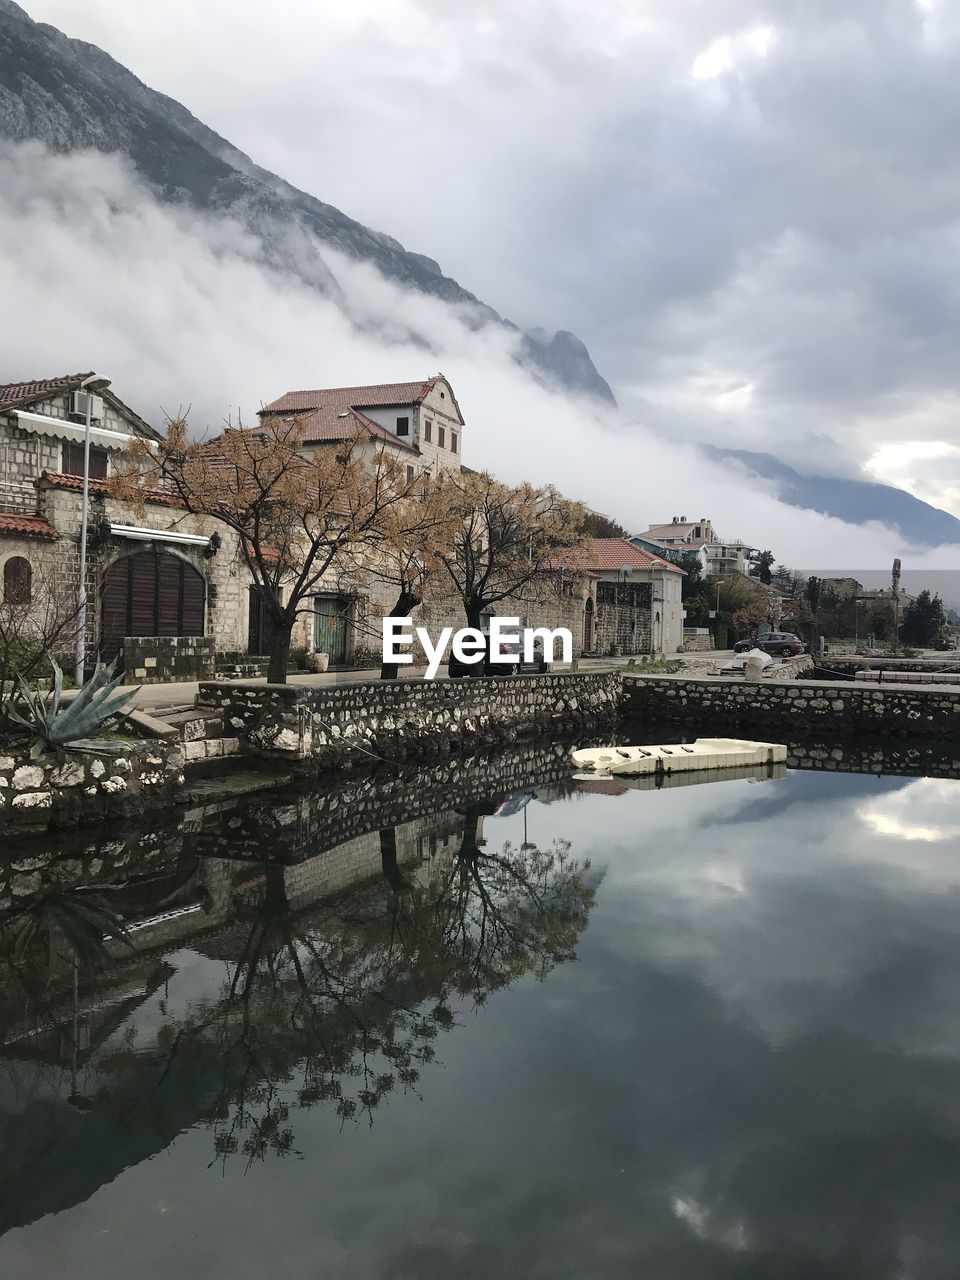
[707,1031]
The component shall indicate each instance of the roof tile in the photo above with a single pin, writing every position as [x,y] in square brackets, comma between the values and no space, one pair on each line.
[26,526]
[14,394]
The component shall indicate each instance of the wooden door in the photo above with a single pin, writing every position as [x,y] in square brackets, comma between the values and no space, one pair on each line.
[150,593]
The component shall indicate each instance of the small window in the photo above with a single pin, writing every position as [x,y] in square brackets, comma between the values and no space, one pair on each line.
[441,436]
[410,475]
[453,442]
[73,460]
[403,426]
[427,430]
[17,581]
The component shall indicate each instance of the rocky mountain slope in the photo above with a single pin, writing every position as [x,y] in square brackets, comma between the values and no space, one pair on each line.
[856,501]
[69,95]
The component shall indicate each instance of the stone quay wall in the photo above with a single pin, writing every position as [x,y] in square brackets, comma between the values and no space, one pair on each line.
[162,659]
[395,720]
[851,664]
[63,788]
[783,708]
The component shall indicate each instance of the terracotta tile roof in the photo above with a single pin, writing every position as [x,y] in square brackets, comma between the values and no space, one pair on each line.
[326,424]
[56,480]
[614,553]
[338,398]
[26,526]
[14,394]
[680,529]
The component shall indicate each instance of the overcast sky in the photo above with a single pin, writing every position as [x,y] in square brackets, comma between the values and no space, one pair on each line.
[749,209]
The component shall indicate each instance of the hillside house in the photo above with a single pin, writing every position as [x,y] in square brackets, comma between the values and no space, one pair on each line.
[421,424]
[160,577]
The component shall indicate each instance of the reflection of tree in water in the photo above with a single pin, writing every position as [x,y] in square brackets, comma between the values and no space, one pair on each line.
[340,1004]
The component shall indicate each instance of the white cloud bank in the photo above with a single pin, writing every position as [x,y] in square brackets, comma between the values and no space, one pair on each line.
[178,311]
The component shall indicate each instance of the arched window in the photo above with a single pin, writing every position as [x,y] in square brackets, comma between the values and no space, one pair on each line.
[17,581]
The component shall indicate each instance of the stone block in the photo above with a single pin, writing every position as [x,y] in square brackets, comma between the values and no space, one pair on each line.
[28,776]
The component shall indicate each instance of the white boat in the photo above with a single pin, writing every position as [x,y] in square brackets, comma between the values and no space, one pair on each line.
[687,757]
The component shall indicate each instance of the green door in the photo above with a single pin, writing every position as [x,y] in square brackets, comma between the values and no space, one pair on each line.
[330,627]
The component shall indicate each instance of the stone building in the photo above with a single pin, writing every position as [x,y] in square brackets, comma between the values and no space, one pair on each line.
[162,575]
[421,424]
[623,600]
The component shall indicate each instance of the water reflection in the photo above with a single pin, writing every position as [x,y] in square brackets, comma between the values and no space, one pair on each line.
[751,1068]
[338,976]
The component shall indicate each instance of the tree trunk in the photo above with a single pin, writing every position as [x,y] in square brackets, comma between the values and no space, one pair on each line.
[280,651]
[472,609]
[404,607]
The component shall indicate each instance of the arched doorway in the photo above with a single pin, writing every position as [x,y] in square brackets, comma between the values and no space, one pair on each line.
[150,593]
[588,625]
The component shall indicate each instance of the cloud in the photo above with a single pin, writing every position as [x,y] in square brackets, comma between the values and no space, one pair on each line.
[759,190]
[180,311]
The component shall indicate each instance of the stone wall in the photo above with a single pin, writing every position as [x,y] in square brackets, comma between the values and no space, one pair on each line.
[623,617]
[697,640]
[782,708]
[850,665]
[334,727]
[63,788]
[294,825]
[160,659]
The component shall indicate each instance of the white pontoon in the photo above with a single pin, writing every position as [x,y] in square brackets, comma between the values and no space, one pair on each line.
[687,757]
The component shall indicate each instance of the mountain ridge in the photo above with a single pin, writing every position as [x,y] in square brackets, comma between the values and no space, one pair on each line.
[70,94]
[855,501]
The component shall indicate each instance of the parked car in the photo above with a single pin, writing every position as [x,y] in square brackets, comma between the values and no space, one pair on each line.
[779,644]
[456,668]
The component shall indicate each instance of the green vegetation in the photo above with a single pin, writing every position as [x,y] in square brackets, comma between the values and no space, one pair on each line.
[70,728]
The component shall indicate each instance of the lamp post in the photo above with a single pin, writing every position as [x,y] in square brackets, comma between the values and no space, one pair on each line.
[91,385]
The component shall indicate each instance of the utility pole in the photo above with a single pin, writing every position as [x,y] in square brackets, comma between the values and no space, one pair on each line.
[91,386]
[896,606]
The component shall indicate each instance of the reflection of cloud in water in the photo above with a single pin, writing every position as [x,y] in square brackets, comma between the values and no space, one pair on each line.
[895,814]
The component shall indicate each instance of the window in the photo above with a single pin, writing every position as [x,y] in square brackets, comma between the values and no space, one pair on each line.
[17,581]
[403,426]
[409,475]
[453,442]
[427,430]
[72,461]
[441,437]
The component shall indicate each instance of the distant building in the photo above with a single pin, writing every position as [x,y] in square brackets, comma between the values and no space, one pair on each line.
[697,537]
[420,420]
[681,532]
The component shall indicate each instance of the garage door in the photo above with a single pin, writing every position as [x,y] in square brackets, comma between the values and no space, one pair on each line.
[150,593]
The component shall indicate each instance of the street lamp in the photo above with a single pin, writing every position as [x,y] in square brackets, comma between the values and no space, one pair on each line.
[91,385]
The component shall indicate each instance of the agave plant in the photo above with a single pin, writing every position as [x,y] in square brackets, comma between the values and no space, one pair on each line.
[71,728]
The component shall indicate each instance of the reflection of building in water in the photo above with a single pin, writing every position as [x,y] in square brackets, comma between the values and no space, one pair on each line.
[86,1083]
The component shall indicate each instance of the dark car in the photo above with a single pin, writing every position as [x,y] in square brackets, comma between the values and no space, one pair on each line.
[779,644]
[456,668]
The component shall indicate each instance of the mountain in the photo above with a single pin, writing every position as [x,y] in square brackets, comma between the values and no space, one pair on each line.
[855,501]
[69,95]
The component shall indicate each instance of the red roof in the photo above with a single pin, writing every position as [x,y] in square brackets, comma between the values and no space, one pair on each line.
[56,480]
[337,398]
[26,526]
[13,394]
[335,413]
[603,554]
[328,424]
